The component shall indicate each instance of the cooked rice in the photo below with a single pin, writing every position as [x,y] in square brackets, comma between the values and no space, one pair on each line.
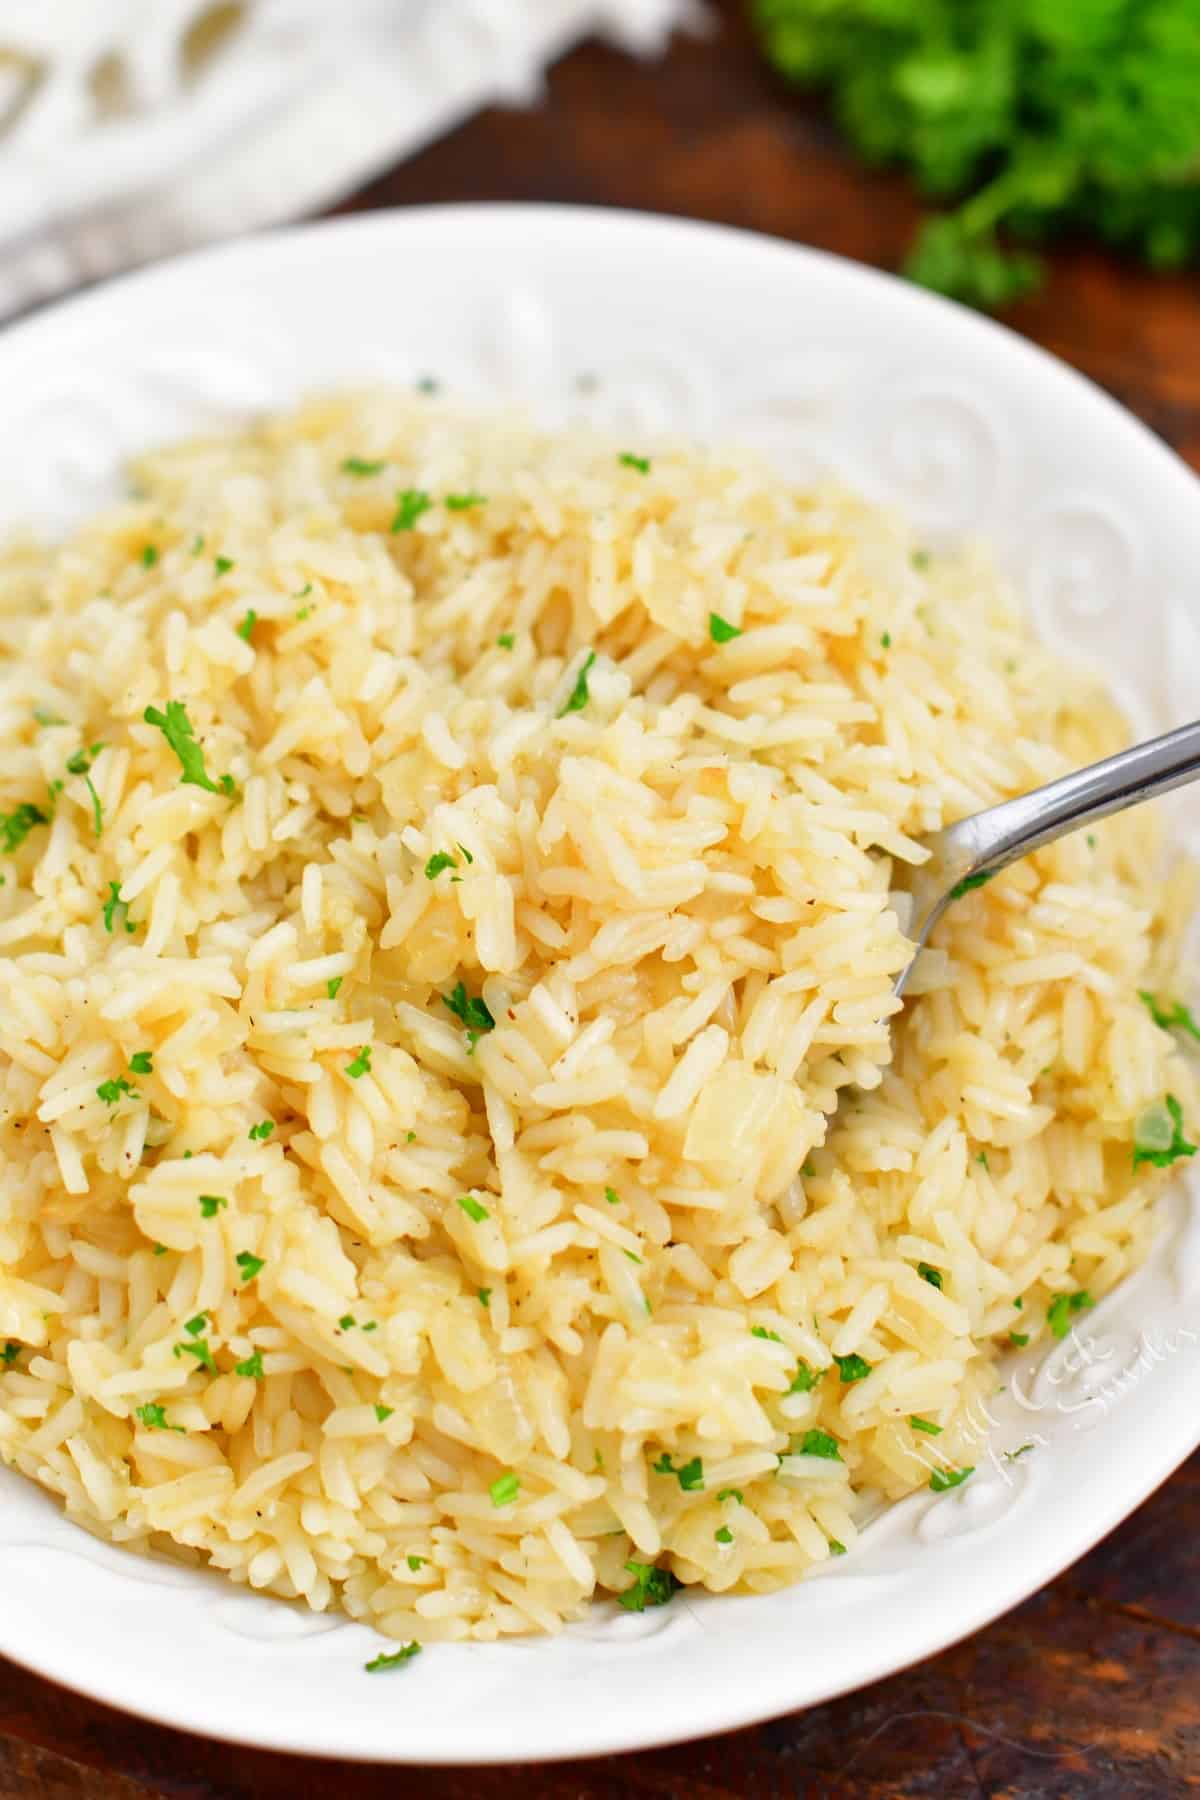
[673,901]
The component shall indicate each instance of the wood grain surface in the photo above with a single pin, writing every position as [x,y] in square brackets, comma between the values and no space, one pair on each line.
[1092,1688]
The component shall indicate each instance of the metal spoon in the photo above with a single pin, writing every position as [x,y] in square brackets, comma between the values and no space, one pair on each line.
[967,854]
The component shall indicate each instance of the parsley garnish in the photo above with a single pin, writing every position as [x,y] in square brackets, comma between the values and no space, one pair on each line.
[222,564]
[720,630]
[804,1380]
[836,1547]
[211,1204]
[249,1265]
[484,1296]
[652,1586]
[383,1413]
[361,1064]
[920,559]
[982,1158]
[579,696]
[925,1425]
[760,1331]
[410,504]
[732,1494]
[176,727]
[886,640]
[628,460]
[114,905]
[1018,1339]
[9,1354]
[142,1062]
[461,502]
[473,1013]
[393,1660]
[690,1475]
[1173,1017]
[347,1322]
[852,1368]
[111,1091]
[331,987]
[441,859]
[506,640]
[723,1535]
[198,1346]
[47,718]
[16,826]
[358,465]
[154,1418]
[612,1196]
[149,556]
[414,1562]
[819,1443]
[941,1479]
[472,1208]
[252,1368]
[1158,1136]
[504,1489]
[969,882]
[928,1273]
[246,629]
[258,1134]
[1062,1310]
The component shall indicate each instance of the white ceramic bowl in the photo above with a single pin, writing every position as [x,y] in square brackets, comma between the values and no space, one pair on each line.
[645,323]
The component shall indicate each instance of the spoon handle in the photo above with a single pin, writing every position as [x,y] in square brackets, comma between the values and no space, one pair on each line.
[992,839]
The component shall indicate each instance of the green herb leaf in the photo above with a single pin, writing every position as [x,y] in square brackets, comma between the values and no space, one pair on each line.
[149,556]
[886,640]
[969,882]
[16,826]
[836,1547]
[347,1322]
[723,1535]
[804,1380]
[9,1354]
[721,631]
[628,460]
[222,565]
[819,1443]
[732,1494]
[410,504]
[415,1562]
[504,1489]
[1018,1339]
[114,905]
[652,1586]
[112,1091]
[612,1196]
[361,1065]
[941,1479]
[473,1013]
[199,1348]
[1158,1136]
[176,727]
[760,1331]
[690,1474]
[1174,1016]
[249,1265]
[462,502]
[258,1134]
[211,1204]
[331,987]
[506,640]
[383,1413]
[473,1209]
[925,1425]
[852,1368]
[358,465]
[246,629]
[142,1062]
[1062,1310]
[394,1659]
[484,1296]
[928,1273]
[579,696]
[154,1418]
[441,859]
[252,1368]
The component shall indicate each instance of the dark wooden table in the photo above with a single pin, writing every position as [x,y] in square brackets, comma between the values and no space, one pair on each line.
[1090,1689]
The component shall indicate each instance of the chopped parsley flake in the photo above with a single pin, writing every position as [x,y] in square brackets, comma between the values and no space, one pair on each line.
[760,1331]
[504,1489]
[1018,1339]
[347,1322]
[441,859]
[394,1659]
[1012,1455]
[414,1562]
[361,1065]
[222,565]
[628,460]
[258,1134]
[721,631]
[154,1418]
[723,1535]
[463,502]
[819,1443]
[142,1062]
[1062,1310]
[466,854]
[484,1296]
[47,718]
[925,1425]
[199,1348]
[111,1091]
[149,556]
[971,881]
[383,1413]
[473,1013]
[1174,1016]
[886,640]
[176,727]
[921,559]
[331,987]
[246,629]
[732,1494]
[982,1159]
[114,905]
[506,640]
[836,1547]
[358,465]
[97,809]
[9,1354]
[579,696]
[472,1208]
[804,1380]
[612,1196]
[852,1368]
[16,826]
[652,1586]
[941,1479]
[1158,1136]
[690,1475]
[410,504]
[631,1254]
[252,1368]
[211,1204]
[249,1265]
[928,1273]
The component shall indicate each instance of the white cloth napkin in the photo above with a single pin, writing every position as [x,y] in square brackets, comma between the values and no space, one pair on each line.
[130,129]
